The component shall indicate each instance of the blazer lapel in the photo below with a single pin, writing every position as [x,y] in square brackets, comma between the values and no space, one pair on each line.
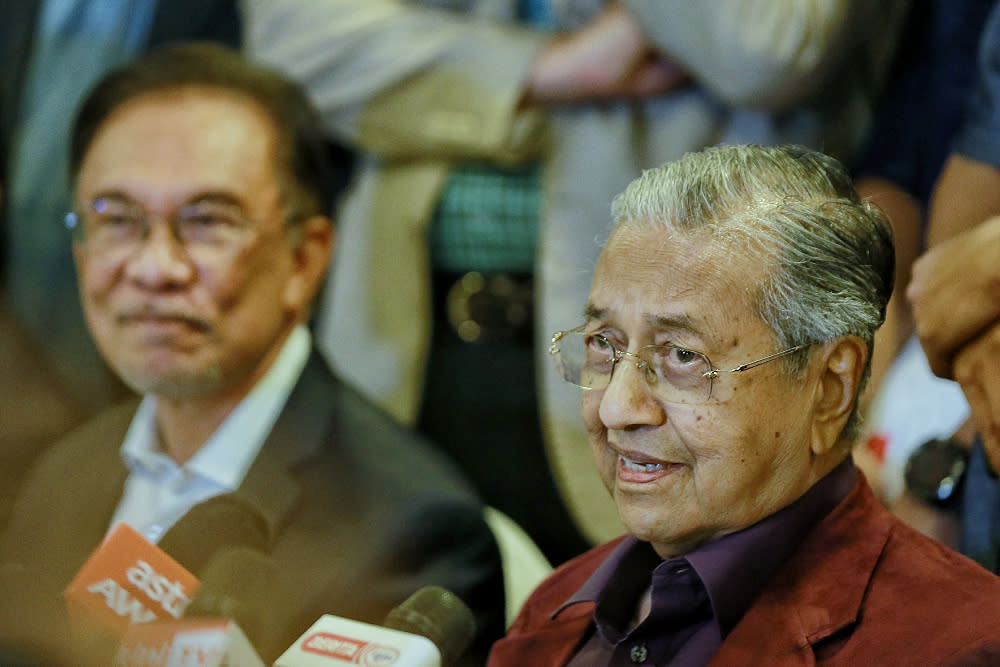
[92,492]
[817,593]
[551,645]
[253,515]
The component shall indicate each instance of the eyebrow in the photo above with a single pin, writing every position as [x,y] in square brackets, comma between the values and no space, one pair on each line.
[115,195]
[592,312]
[206,196]
[680,322]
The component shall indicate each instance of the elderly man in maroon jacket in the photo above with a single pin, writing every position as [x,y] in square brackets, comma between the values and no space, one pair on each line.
[725,343]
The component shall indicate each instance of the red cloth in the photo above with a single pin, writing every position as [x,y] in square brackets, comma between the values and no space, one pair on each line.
[863,588]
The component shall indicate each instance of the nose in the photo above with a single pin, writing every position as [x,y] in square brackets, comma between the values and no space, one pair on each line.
[160,260]
[629,400]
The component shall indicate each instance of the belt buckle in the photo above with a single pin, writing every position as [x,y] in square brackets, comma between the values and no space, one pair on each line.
[488,307]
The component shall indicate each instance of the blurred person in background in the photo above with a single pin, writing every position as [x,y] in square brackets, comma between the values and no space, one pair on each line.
[905,404]
[952,488]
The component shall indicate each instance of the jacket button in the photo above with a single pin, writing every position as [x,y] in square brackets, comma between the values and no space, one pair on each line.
[638,653]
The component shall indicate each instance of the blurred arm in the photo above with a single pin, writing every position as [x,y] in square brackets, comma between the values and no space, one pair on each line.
[976,370]
[608,58]
[406,81]
[401,80]
[766,54]
[955,292]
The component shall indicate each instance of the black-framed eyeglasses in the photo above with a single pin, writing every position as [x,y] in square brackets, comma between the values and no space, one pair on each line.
[677,374]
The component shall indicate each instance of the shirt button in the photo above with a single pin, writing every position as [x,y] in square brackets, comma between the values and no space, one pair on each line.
[638,653]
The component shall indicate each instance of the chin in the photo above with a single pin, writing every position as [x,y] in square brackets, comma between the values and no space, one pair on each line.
[639,520]
[173,383]
[647,533]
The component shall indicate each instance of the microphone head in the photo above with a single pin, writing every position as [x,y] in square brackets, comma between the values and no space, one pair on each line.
[439,615]
[212,527]
[235,585]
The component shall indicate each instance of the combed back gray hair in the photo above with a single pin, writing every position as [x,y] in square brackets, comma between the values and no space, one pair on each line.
[828,255]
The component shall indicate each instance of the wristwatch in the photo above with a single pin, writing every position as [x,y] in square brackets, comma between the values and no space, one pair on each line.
[935,471]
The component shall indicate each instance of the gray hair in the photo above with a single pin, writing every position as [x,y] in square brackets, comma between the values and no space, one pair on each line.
[829,255]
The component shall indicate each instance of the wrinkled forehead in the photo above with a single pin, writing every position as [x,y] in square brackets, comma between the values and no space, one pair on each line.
[651,273]
[706,258]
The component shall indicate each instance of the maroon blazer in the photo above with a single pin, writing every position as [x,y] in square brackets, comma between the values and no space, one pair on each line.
[863,588]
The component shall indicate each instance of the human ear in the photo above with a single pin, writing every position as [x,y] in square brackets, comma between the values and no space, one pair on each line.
[313,244]
[843,363]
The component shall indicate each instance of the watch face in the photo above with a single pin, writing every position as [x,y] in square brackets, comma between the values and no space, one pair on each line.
[935,470]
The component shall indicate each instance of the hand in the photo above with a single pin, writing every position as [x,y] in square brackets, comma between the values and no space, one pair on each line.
[608,58]
[954,292]
[977,370]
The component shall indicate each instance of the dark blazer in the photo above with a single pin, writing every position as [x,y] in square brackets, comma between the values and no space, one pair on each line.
[862,589]
[354,512]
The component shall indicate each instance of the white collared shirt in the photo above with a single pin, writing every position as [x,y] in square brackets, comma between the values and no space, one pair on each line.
[158,492]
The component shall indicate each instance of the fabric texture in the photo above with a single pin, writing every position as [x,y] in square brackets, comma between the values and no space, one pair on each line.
[979,138]
[862,588]
[979,511]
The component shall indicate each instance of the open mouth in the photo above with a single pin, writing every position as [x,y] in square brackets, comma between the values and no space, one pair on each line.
[635,466]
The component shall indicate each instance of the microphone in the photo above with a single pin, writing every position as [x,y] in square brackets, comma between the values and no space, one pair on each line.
[431,628]
[222,624]
[212,526]
[235,584]
[439,615]
[127,580]
[209,642]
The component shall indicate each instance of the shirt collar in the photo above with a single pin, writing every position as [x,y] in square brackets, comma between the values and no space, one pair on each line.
[735,567]
[228,453]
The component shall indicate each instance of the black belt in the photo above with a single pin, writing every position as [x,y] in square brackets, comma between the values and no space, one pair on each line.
[486,306]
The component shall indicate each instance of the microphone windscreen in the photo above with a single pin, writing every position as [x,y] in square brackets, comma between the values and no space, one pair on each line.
[235,585]
[214,526]
[439,615]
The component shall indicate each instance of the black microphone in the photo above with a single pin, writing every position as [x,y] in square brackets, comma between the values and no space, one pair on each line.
[236,584]
[212,527]
[439,615]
